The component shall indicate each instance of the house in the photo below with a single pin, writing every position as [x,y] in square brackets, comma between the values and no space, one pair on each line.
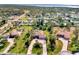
[39,35]
[67,34]
[15,32]
[35,34]
[42,35]
[64,33]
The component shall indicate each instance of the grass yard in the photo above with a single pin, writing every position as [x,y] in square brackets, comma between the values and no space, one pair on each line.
[19,47]
[4,47]
[24,18]
[58,47]
[37,49]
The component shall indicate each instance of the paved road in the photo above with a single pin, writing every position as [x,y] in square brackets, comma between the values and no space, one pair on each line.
[10,24]
[19,17]
[6,25]
[43,42]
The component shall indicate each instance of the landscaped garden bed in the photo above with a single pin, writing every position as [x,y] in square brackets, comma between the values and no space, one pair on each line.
[37,49]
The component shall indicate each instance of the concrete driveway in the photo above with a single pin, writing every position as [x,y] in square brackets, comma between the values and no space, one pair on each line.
[65,44]
[11,43]
[43,42]
[64,50]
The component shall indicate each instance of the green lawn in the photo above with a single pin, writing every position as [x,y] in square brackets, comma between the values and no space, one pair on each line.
[4,47]
[47,35]
[37,49]
[58,47]
[20,42]
[24,18]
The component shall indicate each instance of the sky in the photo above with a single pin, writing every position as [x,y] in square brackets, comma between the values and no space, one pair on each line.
[67,2]
[56,5]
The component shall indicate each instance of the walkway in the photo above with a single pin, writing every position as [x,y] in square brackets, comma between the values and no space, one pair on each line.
[43,42]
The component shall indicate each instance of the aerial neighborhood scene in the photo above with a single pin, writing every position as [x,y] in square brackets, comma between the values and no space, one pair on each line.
[39,29]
